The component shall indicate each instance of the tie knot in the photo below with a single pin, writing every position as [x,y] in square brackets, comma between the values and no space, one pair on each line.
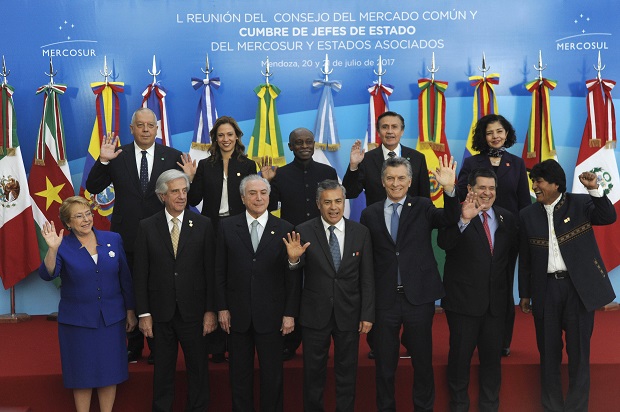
[331,229]
[175,221]
[395,207]
[254,223]
[392,154]
[143,152]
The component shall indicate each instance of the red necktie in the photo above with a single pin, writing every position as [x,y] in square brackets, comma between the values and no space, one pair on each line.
[485,224]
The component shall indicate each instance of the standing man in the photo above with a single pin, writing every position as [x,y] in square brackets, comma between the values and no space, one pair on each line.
[480,249]
[407,282]
[364,171]
[133,169]
[294,188]
[257,296]
[562,278]
[337,300]
[174,284]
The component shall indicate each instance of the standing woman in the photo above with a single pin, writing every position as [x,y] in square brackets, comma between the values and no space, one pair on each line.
[215,182]
[493,134]
[96,306]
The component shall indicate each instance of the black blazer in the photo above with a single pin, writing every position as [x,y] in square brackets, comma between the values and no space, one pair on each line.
[513,189]
[207,185]
[368,176]
[348,293]
[130,205]
[163,282]
[476,280]
[256,287]
[412,252]
[573,218]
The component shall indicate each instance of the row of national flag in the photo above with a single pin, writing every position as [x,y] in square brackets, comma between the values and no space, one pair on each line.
[25,204]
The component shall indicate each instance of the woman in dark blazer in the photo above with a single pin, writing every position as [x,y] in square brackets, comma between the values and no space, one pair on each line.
[493,134]
[215,182]
[96,306]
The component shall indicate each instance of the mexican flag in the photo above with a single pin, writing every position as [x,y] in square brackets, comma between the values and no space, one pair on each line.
[19,251]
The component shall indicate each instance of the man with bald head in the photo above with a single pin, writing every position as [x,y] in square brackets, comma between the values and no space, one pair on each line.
[293,190]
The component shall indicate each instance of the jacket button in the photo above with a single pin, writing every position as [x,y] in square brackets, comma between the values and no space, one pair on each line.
[176,274]
[397,253]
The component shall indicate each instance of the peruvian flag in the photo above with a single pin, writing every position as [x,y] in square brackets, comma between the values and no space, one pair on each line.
[50,177]
[596,155]
[19,252]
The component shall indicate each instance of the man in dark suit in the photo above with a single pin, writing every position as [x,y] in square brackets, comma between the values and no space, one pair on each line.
[337,300]
[480,249]
[364,171]
[133,169]
[257,296]
[562,278]
[407,282]
[293,191]
[174,284]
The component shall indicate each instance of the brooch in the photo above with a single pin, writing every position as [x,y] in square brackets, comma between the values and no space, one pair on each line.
[111,253]
[191,224]
[567,220]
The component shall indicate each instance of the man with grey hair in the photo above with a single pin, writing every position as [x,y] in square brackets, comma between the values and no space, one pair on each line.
[338,296]
[133,170]
[174,287]
[257,296]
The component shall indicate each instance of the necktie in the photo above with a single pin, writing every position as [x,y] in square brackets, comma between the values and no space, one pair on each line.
[144,172]
[391,154]
[485,224]
[394,232]
[394,221]
[334,247]
[254,235]
[174,235]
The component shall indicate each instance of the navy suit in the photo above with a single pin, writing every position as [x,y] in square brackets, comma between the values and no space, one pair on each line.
[258,289]
[333,303]
[176,291]
[565,304]
[412,254]
[477,291]
[367,177]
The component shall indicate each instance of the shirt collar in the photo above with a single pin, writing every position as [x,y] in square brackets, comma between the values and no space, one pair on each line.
[150,150]
[490,214]
[388,202]
[169,216]
[301,165]
[262,219]
[551,207]
[385,150]
[339,225]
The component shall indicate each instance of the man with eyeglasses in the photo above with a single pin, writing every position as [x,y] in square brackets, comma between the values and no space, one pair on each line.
[133,170]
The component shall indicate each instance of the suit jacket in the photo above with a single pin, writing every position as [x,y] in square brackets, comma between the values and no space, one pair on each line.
[91,290]
[207,185]
[573,218]
[163,282]
[130,204]
[476,280]
[412,252]
[513,189]
[349,292]
[367,177]
[294,186]
[256,287]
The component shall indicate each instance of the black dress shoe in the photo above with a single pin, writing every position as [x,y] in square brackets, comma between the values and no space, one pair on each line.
[506,352]
[132,357]
[151,359]
[288,354]
[371,355]
[218,358]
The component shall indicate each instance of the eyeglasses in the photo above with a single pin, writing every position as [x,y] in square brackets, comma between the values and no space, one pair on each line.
[84,216]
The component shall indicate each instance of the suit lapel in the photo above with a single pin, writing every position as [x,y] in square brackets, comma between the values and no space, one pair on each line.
[268,234]
[185,231]
[319,232]
[164,231]
[132,167]
[158,167]
[244,232]
[349,235]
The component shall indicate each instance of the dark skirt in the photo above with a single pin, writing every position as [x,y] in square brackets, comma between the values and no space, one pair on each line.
[93,358]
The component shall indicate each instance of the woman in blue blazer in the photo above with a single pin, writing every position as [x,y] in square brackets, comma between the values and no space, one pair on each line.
[96,306]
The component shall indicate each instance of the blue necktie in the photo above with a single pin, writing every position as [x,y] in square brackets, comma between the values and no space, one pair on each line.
[144,172]
[394,232]
[334,247]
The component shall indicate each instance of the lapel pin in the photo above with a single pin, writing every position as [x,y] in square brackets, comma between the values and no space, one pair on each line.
[409,204]
[567,220]
[501,218]
[273,233]
[191,224]
[508,164]
[108,245]
[112,254]
[238,174]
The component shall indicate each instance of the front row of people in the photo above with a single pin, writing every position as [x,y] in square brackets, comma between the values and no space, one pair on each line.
[339,279]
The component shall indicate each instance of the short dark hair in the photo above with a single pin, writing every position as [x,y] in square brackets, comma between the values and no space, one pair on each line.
[551,172]
[394,114]
[480,172]
[329,184]
[479,140]
[395,162]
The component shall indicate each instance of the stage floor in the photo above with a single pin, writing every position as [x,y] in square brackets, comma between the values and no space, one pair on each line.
[30,373]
